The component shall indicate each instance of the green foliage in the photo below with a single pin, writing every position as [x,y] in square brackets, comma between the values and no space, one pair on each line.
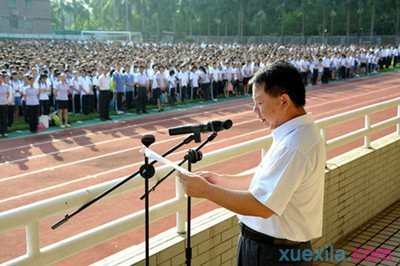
[231,17]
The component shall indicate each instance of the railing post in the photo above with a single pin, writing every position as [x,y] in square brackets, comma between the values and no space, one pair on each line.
[180,215]
[323,134]
[32,239]
[263,150]
[398,124]
[367,124]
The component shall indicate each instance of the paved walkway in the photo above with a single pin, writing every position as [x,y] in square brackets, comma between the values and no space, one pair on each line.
[375,243]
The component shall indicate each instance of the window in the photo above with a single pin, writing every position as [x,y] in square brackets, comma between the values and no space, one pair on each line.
[12,3]
[28,25]
[28,3]
[14,21]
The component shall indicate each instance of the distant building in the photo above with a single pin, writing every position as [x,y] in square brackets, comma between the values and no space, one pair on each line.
[25,16]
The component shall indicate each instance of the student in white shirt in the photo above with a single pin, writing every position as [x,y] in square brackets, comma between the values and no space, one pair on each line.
[4,95]
[284,203]
[31,97]
[87,93]
[61,93]
[184,83]
[172,82]
[142,83]
[194,78]
[156,80]
[105,94]
[76,91]
[44,92]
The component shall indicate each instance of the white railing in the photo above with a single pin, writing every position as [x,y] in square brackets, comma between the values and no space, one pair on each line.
[29,216]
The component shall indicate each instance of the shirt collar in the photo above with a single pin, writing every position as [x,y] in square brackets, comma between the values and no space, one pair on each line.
[280,132]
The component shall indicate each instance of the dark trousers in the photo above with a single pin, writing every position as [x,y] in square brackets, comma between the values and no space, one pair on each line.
[205,87]
[33,117]
[87,102]
[395,60]
[77,103]
[255,251]
[3,119]
[11,113]
[141,99]
[129,99]
[314,77]
[94,99]
[44,107]
[172,95]
[120,95]
[325,75]
[304,78]
[104,102]
[342,72]
[70,103]
[184,93]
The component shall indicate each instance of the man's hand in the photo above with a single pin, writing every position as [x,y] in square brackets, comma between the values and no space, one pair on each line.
[211,177]
[195,185]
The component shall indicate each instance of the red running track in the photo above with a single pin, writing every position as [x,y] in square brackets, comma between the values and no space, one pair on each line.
[39,167]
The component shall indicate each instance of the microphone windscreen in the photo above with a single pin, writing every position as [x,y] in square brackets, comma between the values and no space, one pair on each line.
[147,140]
[214,126]
[227,124]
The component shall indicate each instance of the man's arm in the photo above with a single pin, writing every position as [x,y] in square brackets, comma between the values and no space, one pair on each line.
[238,181]
[238,201]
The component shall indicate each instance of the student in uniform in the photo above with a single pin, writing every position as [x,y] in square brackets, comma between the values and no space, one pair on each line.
[142,87]
[44,91]
[156,87]
[247,73]
[184,83]
[11,105]
[31,97]
[17,85]
[120,90]
[87,93]
[104,94]
[61,93]
[326,63]
[76,92]
[194,78]
[172,81]
[129,87]
[204,81]
[4,95]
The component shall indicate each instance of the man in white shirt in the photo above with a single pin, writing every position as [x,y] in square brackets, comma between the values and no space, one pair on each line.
[282,209]
[105,94]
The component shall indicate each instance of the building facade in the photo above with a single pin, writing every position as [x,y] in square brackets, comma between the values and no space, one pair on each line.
[25,16]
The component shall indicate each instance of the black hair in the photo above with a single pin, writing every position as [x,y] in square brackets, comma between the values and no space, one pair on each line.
[279,78]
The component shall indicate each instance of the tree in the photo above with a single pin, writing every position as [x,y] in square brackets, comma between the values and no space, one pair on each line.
[230,17]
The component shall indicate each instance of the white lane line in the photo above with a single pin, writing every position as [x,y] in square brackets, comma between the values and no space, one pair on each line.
[320,115]
[161,130]
[113,170]
[104,142]
[325,90]
[95,157]
[113,129]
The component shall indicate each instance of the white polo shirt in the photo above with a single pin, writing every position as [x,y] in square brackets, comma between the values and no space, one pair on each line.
[290,182]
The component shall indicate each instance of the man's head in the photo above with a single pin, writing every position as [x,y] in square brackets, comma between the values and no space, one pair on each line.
[278,94]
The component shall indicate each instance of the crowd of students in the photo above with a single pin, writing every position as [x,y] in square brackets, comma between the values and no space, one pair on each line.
[42,77]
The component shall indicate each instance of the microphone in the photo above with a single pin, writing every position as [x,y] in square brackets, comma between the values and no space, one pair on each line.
[213,126]
[147,140]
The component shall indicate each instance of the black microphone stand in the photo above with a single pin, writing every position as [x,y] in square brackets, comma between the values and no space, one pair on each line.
[147,171]
[108,191]
[192,156]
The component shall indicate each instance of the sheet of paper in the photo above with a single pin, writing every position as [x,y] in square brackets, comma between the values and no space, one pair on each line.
[155,156]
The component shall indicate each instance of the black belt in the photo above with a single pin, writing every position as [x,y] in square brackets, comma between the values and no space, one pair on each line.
[249,233]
